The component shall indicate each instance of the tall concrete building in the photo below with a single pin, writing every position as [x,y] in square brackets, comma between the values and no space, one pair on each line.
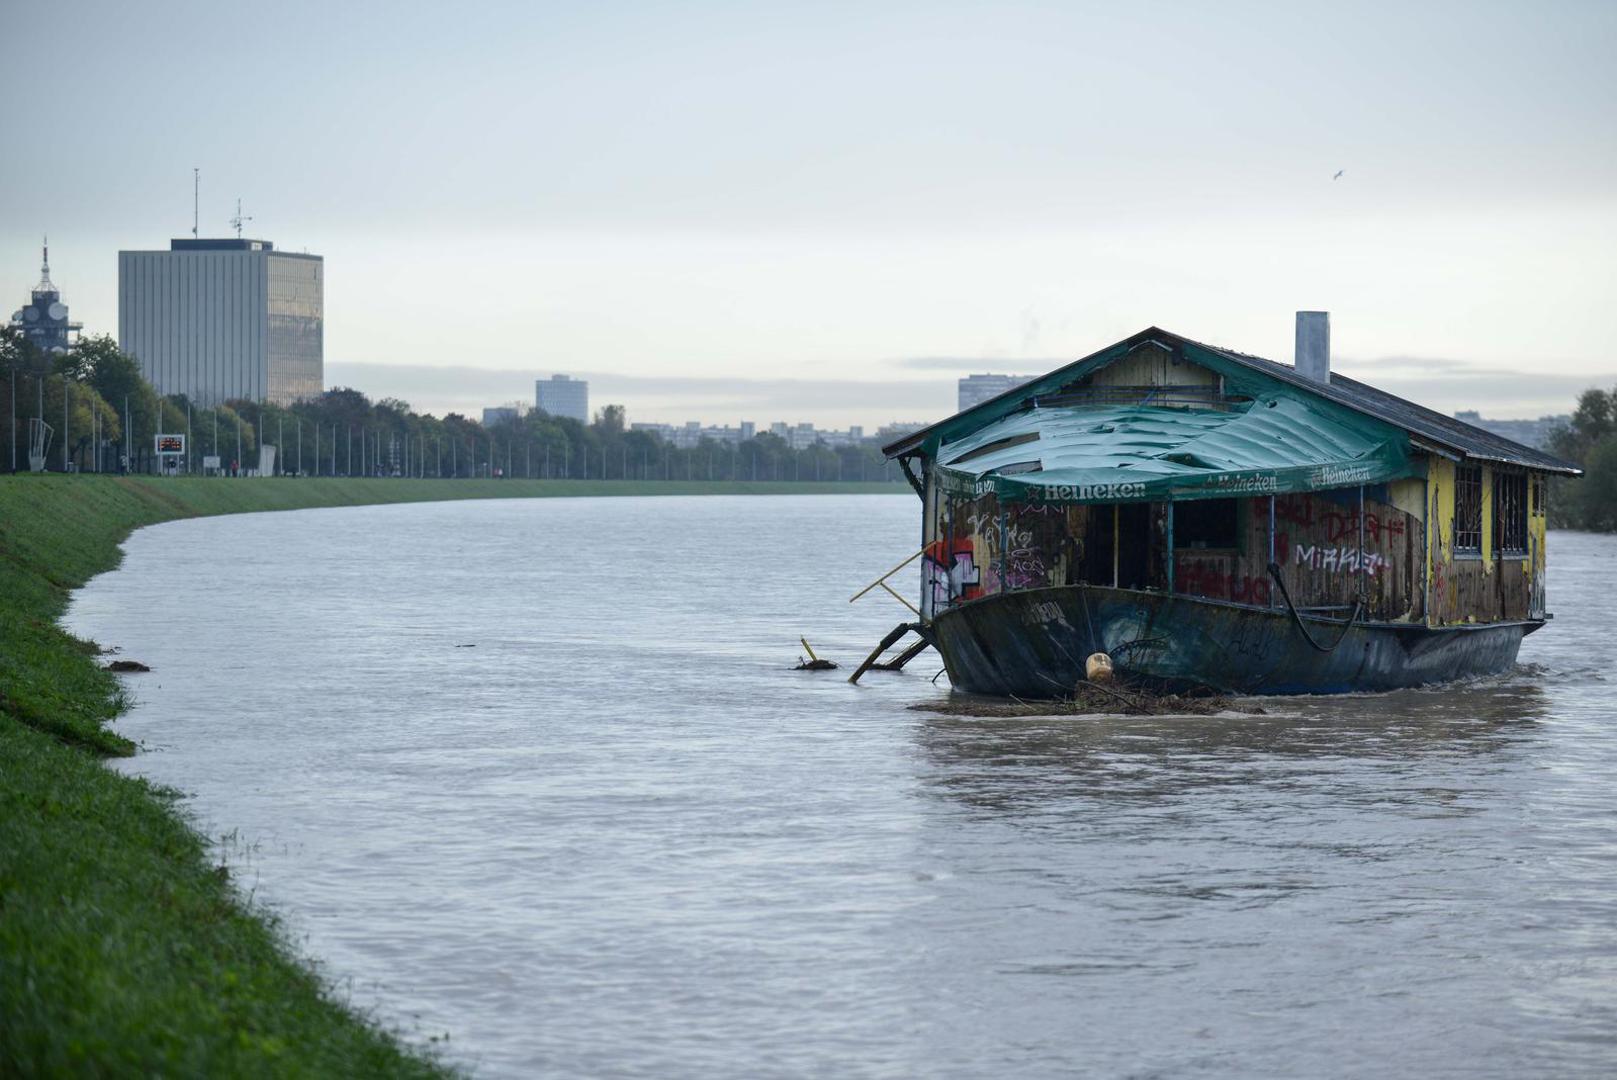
[44,320]
[976,389]
[223,319]
[560,395]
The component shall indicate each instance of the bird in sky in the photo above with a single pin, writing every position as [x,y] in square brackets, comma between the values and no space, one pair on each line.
[1339,173]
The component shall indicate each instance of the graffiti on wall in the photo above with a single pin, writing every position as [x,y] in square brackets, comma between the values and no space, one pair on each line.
[954,574]
[1337,523]
[1216,581]
[1024,562]
[1343,560]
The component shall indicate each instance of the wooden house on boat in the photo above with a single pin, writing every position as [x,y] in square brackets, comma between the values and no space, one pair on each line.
[1211,518]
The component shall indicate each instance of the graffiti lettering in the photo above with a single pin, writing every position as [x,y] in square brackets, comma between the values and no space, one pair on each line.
[1216,583]
[1025,570]
[1043,613]
[1338,559]
[1295,510]
[1251,641]
[1340,526]
[984,527]
[952,575]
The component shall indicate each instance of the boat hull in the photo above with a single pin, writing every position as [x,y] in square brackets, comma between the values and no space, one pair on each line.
[1033,643]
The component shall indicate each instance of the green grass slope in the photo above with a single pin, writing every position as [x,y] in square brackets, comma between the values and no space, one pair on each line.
[123,948]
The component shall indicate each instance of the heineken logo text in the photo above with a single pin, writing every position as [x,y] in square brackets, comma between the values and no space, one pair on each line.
[1093,492]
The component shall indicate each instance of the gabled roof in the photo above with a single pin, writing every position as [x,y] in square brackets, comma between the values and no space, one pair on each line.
[1429,429]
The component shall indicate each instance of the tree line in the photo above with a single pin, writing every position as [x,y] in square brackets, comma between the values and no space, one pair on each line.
[1589,440]
[105,417]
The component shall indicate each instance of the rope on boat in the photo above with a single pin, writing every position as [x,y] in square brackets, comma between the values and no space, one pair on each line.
[1285,594]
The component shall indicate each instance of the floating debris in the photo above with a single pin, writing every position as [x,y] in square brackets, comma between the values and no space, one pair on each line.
[813,663]
[126,666]
[1093,699]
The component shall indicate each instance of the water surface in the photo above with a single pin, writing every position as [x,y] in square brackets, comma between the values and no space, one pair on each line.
[534,774]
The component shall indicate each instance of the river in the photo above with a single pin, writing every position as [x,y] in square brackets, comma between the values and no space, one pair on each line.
[536,775]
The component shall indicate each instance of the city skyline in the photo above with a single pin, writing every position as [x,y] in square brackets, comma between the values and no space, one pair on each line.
[1491,392]
[982,197]
[919,385]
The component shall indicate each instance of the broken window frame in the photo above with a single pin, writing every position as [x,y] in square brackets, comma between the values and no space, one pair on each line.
[1510,513]
[1198,525]
[1468,510]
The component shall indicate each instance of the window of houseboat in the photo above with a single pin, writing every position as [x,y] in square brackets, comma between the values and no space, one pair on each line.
[1468,510]
[1206,524]
[1510,514]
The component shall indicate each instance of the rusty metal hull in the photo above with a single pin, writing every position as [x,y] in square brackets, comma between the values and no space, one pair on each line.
[1033,643]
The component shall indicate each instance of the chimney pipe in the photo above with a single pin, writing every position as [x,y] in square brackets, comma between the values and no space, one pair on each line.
[1313,356]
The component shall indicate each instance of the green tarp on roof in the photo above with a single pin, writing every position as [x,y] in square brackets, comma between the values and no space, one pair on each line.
[1278,443]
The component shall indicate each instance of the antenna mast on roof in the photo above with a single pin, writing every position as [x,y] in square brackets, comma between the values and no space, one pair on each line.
[238,221]
[196,191]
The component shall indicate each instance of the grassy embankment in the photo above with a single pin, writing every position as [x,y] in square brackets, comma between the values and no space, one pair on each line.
[123,948]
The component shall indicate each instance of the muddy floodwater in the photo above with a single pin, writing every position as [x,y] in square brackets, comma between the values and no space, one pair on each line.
[535,775]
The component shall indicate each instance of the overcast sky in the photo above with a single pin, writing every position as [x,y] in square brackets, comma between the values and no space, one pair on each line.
[827,212]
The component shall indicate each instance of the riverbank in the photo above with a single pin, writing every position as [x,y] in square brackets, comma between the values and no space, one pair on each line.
[123,948]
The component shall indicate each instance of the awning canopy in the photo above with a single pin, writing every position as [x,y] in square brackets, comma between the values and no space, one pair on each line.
[1275,444]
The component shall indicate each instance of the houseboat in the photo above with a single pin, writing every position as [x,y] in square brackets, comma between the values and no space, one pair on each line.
[1208,518]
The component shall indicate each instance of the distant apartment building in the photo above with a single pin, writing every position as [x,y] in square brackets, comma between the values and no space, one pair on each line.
[976,389]
[1534,433]
[501,414]
[223,319]
[897,430]
[692,432]
[561,395]
[798,436]
[43,320]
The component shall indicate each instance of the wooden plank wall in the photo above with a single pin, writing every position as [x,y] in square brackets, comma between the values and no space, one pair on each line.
[1317,544]
[1147,366]
[1317,549]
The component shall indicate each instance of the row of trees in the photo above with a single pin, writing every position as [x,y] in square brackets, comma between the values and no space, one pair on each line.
[112,416]
[1589,440]
[85,396]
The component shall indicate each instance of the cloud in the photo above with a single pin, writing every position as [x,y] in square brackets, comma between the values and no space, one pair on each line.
[1429,365]
[967,365]
[1501,395]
